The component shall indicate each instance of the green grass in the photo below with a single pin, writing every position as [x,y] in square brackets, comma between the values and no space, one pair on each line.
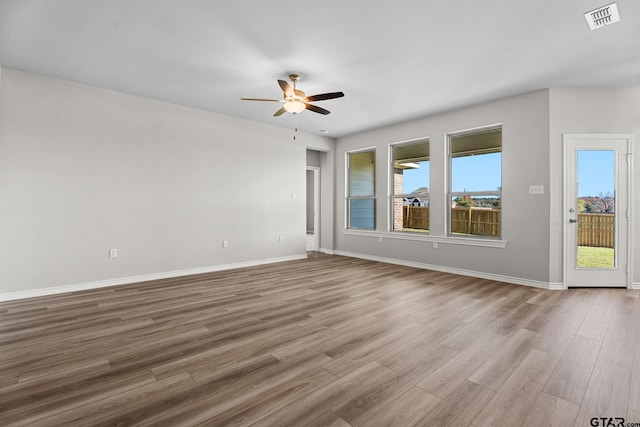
[414,230]
[589,257]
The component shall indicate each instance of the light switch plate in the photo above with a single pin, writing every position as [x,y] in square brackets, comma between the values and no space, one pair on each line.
[536,189]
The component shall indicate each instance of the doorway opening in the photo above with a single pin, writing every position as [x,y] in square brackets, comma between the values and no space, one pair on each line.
[313,208]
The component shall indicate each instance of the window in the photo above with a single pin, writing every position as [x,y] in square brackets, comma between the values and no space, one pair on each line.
[410,178]
[475,182]
[361,200]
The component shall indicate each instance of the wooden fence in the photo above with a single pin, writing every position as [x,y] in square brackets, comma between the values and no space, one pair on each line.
[415,217]
[596,230]
[464,220]
[481,222]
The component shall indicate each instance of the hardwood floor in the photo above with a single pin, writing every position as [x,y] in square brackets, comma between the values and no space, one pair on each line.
[327,341]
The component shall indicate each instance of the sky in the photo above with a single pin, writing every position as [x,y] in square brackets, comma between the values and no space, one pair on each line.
[412,179]
[595,172]
[482,173]
[471,173]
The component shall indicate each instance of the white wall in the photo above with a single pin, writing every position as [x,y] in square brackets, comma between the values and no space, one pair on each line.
[590,111]
[525,218]
[83,170]
[313,158]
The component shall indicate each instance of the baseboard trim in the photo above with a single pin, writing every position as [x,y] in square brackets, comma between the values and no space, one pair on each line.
[635,285]
[33,293]
[462,272]
[327,251]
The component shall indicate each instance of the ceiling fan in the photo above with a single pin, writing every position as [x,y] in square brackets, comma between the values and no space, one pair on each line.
[295,101]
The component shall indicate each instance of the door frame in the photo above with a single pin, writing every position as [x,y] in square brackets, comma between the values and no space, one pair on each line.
[628,214]
[316,206]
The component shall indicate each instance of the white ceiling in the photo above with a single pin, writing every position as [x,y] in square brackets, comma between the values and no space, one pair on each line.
[394,60]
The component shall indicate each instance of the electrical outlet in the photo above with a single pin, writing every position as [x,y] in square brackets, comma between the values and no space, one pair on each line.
[281,239]
[225,243]
[293,196]
[113,253]
[435,245]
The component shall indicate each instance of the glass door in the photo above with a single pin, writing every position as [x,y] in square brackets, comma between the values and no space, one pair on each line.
[596,211]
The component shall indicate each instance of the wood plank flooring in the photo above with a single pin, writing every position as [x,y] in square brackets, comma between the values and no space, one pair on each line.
[326,341]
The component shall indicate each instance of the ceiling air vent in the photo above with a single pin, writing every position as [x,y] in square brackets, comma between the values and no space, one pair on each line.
[602,16]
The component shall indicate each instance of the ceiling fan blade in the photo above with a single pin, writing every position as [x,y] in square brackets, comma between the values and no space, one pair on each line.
[279,112]
[260,99]
[286,88]
[316,109]
[325,96]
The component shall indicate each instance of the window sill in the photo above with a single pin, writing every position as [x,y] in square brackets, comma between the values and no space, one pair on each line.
[451,240]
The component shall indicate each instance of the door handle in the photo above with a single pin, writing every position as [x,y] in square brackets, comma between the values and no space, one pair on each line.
[573,220]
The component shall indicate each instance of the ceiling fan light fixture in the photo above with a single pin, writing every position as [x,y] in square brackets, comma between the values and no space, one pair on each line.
[296,101]
[294,107]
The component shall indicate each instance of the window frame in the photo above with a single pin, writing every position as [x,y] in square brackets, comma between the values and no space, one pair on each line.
[450,195]
[348,190]
[392,196]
